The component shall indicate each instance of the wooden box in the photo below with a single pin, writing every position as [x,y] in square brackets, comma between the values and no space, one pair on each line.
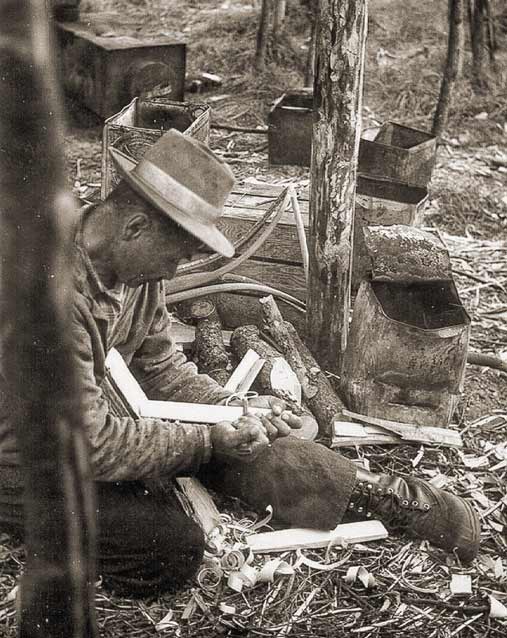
[140,124]
[290,122]
[398,153]
[408,339]
[104,62]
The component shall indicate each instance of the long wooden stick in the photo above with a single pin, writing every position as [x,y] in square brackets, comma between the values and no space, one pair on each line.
[318,393]
[36,222]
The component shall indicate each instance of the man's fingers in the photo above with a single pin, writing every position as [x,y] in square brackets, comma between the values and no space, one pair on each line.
[271,430]
[282,428]
[292,420]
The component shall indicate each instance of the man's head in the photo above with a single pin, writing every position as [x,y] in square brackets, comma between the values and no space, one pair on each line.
[165,207]
[143,245]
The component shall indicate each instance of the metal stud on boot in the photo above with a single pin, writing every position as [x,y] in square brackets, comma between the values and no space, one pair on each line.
[418,509]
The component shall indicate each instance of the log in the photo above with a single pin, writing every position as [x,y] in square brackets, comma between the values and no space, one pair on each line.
[38,214]
[317,391]
[210,354]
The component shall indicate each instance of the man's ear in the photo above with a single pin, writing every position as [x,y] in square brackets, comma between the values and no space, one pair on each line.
[135,226]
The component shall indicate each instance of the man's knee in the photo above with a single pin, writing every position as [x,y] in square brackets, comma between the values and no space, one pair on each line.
[149,546]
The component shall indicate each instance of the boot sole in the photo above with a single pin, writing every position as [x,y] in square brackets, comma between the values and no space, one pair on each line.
[476,527]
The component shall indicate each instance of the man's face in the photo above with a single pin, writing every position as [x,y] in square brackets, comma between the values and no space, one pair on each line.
[150,249]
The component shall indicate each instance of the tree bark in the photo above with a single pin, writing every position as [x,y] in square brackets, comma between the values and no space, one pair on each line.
[453,66]
[317,391]
[478,27]
[37,215]
[338,86]
[279,16]
[210,354]
[265,24]
[310,59]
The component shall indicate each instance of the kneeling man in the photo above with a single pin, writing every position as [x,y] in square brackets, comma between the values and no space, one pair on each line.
[125,247]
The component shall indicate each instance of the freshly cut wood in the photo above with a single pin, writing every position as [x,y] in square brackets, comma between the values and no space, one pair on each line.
[409,431]
[301,538]
[245,373]
[317,391]
[203,508]
[126,384]
[210,354]
[184,335]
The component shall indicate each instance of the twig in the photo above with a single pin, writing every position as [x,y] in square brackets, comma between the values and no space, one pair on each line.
[300,228]
[240,129]
[486,360]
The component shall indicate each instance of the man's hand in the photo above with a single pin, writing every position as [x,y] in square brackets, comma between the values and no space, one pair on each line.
[281,421]
[242,440]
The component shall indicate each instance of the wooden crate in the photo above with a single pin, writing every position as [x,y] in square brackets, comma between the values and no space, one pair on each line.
[141,123]
[104,62]
[277,263]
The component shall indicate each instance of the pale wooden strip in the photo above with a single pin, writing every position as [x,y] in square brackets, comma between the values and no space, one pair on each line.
[299,538]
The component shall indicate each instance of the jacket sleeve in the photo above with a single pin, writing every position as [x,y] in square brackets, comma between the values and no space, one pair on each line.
[128,448]
[164,372]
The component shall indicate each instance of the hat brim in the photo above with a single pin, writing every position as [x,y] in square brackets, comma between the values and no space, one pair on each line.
[207,233]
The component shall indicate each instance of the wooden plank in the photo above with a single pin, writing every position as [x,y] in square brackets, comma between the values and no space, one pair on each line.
[290,279]
[194,412]
[282,244]
[132,392]
[412,432]
[204,510]
[242,370]
[301,538]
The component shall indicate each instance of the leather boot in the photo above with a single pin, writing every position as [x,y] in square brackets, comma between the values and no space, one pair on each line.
[415,507]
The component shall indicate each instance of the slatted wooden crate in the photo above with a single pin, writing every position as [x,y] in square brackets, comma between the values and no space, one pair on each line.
[141,123]
[278,262]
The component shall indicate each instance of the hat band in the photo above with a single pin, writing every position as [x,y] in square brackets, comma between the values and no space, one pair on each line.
[176,193]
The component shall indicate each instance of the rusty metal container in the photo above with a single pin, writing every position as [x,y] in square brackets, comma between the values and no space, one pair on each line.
[408,339]
[140,124]
[398,153]
[381,202]
[104,63]
[290,122]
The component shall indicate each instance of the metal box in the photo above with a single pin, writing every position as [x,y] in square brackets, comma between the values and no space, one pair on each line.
[290,122]
[382,203]
[140,124]
[408,339]
[398,153]
[104,64]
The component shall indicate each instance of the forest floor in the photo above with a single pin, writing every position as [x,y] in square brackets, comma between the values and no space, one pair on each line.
[468,204]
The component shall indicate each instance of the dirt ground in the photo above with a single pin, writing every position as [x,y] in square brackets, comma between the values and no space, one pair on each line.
[468,204]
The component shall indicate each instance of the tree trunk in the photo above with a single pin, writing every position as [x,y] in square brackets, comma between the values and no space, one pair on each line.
[453,66]
[478,27]
[338,86]
[263,32]
[36,220]
[310,60]
[279,16]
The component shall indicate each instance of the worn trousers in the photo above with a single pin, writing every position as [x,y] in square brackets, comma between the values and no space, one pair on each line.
[147,544]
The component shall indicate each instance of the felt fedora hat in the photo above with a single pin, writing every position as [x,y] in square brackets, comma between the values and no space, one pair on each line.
[184,180]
